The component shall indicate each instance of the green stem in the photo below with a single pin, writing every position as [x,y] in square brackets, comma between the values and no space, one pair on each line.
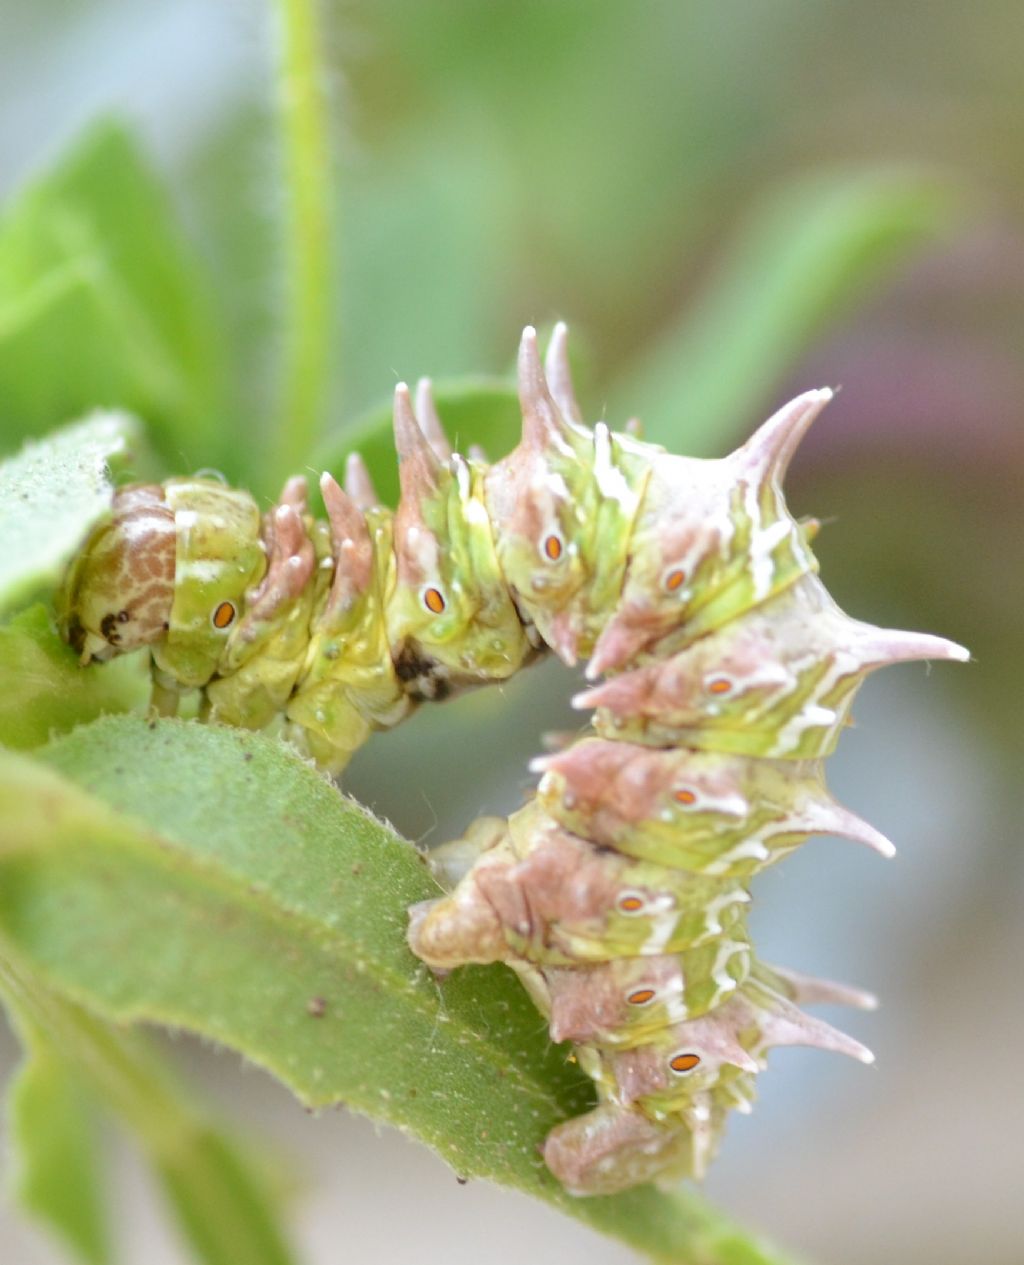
[308,236]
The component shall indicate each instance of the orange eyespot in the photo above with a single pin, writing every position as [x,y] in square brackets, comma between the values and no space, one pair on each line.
[675,579]
[720,685]
[433,600]
[686,797]
[552,548]
[631,903]
[224,615]
[640,996]
[683,1063]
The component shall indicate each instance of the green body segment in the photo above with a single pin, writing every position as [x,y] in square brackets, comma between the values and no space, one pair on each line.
[618,893]
[451,607]
[349,685]
[218,558]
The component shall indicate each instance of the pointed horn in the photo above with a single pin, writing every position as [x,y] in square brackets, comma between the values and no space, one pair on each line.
[341,509]
[418,466]
[350,542]
[358,484]
[827,817]
[291,561]
[809,990]
[295,493]
[559,373]
[622,694]
[770,449]
[345,518]
[735,1054]
[785,1024]
[587,700]
[542,421]
[430,421]
[617,645]
[878,646]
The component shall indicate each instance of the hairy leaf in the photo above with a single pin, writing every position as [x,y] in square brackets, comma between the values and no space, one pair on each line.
[45,690]
[802,260]
[102,304]
[208,879]
[51,493]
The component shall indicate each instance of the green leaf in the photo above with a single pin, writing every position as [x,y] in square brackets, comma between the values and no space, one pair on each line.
[47,692]
[263,910]
[102,304]
[53,1143]
[803,259]
[220,1202]
[51,493]
[476,410]
[225,1208]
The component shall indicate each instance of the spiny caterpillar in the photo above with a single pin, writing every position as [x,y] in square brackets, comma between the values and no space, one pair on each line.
[618,893]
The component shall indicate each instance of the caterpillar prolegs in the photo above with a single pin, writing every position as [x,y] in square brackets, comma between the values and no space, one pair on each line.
[618,892]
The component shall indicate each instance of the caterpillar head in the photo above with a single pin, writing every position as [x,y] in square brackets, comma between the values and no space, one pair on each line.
[118,594]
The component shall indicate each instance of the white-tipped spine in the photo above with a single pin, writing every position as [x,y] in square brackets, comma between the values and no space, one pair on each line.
[430,420]
[559,373]
[358,484]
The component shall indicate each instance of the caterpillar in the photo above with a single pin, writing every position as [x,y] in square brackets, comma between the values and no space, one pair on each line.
[720,675]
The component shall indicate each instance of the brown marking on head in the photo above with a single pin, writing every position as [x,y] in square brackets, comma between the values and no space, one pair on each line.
[119,593]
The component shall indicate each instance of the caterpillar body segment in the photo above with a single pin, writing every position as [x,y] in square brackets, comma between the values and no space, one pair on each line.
[720,674]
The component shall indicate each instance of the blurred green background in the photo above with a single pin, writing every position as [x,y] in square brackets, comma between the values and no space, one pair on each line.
[729,202]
